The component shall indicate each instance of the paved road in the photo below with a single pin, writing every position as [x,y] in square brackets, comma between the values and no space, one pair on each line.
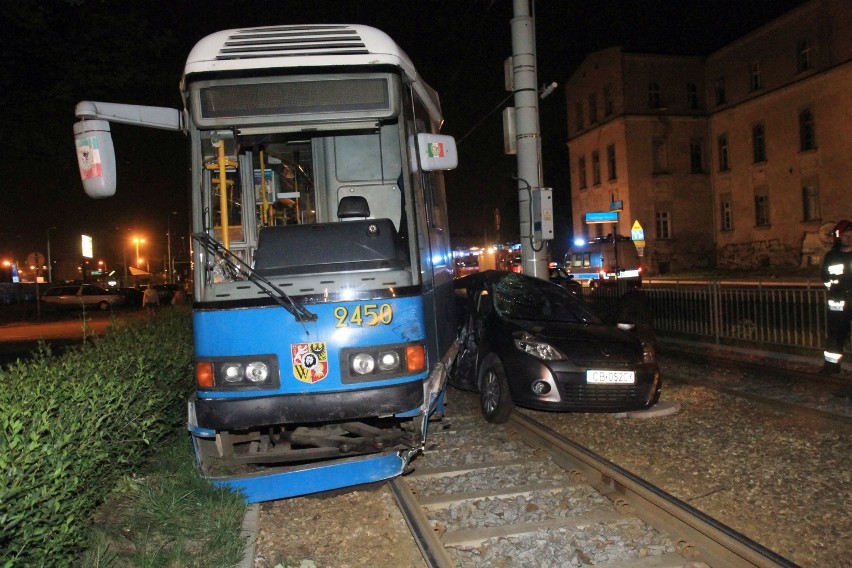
[70,329]
[18,340]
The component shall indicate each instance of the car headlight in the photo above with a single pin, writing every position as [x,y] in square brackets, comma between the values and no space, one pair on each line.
[539,349]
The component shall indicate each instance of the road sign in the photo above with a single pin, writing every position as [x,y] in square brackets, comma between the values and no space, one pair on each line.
[637,233]
[35,259]
[601,217]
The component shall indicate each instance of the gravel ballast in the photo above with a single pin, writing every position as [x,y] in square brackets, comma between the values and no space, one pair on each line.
[779,477]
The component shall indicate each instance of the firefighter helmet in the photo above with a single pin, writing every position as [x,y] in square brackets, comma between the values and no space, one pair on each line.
[841,227]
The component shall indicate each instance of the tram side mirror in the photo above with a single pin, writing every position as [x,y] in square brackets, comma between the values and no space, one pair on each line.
[433,152]
[95,157]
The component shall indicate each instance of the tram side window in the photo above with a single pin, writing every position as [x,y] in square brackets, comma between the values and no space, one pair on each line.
[230,197]
[233,206]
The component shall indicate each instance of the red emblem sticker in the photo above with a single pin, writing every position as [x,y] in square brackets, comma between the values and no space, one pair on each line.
[310,361]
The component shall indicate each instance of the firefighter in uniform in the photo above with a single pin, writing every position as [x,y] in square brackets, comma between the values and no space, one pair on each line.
[837,276]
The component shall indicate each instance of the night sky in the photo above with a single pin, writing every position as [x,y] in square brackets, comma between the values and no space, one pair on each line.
[57,53]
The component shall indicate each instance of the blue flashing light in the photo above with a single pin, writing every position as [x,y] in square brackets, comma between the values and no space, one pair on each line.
[578,242]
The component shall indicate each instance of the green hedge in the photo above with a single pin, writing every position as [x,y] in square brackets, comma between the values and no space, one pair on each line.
[71,426]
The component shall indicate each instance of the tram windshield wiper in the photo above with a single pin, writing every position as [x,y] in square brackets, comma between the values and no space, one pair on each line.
[236,264]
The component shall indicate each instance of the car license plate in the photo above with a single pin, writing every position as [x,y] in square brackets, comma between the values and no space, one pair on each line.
[599,377]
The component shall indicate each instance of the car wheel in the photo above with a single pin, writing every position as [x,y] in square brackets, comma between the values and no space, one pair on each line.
[103,306]
[495,402]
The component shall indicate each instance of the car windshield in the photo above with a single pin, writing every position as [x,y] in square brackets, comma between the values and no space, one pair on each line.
[516,296]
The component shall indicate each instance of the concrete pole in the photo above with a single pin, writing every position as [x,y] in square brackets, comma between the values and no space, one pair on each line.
[525,79]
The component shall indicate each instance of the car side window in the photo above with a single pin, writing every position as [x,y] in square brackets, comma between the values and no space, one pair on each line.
[64,291]
[483,303]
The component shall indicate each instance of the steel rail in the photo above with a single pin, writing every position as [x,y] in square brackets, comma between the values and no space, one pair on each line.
[791,407]
[732,363]
[434,553]
[697,534]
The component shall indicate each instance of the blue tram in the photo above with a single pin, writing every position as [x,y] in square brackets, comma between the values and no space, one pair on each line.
[323,312]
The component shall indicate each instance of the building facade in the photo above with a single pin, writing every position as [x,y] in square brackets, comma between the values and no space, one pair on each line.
[738,159]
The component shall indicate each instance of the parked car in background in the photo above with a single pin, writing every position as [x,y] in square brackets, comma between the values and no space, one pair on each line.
[81,295]
[166,292]
[132,296]
[527,341]
[604,261]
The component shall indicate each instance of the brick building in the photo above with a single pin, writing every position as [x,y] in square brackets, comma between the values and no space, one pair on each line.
[740,158]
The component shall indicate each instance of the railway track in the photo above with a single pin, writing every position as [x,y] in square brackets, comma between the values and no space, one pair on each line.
[527,496]
[782,387]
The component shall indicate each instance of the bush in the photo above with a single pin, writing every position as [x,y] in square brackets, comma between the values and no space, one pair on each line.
[71,426]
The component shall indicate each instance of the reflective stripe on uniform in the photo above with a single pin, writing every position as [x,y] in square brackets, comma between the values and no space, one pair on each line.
[832,357]
[836,305]
[835,269]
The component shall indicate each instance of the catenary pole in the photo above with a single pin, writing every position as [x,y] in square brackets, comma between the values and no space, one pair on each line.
[528,138]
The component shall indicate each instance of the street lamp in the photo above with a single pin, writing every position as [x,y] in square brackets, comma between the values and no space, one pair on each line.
[137,240]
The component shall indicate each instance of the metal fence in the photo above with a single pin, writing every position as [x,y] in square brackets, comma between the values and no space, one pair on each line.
[782,314]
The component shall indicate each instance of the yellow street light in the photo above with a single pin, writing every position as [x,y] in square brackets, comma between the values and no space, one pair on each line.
[137,241]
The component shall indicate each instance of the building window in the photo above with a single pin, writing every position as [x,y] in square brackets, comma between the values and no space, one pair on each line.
[807,132]
[654,100]
[692,96]
[810,200]
[724,164]
[610,161]
[593,108]
[578,113]
[696,156]
[659,156]
[726,221]
[761,207]
[581,172]
[596,168]
[721,97]
[608,106]
[758,143]
[804,55]
[663,225]
[755,83]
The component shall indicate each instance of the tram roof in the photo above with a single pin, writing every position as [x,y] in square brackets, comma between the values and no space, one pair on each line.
[319,45]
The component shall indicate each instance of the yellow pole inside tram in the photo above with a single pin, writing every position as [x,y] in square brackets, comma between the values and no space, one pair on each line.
[223,195]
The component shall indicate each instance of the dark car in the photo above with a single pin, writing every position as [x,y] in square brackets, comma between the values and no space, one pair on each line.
[132,296]
[527,341]
[166,292]
[81,295]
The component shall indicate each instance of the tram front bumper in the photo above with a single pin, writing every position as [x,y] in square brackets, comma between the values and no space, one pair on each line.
[250,413]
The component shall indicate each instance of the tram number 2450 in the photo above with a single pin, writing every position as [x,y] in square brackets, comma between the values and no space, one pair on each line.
[364,314]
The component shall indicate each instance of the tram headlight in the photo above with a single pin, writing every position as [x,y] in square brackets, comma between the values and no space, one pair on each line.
[388,360]
[231,373]
[382,362]
[247,372]
[363,364]
[257,371]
